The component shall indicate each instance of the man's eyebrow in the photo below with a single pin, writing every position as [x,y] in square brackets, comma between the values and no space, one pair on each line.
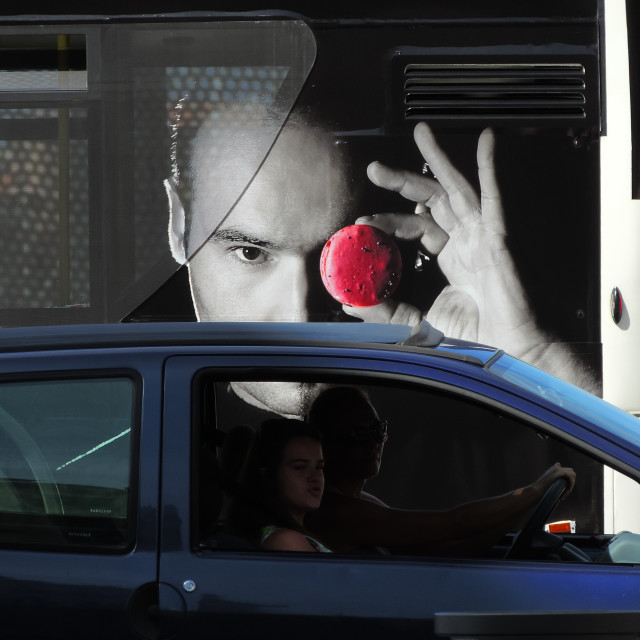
[234,235]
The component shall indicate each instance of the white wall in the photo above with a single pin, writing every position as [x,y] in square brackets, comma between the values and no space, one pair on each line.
[620,224]
[620,229]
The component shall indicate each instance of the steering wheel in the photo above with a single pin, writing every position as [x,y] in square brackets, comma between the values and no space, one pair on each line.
[37,463]
[524,544]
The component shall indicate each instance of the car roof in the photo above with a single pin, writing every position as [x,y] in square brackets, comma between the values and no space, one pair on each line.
[91,336]
[618,426]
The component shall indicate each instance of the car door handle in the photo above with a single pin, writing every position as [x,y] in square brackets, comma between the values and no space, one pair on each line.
[539,624]
[143,611]
[156,611]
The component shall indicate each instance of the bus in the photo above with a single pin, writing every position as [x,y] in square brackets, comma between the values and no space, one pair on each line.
[164,163]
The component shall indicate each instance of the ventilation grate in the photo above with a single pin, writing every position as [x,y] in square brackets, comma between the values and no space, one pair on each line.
[528,90]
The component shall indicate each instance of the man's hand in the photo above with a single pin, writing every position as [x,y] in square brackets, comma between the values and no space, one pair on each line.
[551,475]
[485,300]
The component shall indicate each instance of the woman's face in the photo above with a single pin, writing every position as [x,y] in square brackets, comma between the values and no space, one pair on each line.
[300,477]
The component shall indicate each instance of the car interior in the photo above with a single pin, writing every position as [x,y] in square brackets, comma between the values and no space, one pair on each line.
[444,448]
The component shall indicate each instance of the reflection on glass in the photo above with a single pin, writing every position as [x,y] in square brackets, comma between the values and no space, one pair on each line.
[568,397]
[44,209]
[43,80]
[43,62]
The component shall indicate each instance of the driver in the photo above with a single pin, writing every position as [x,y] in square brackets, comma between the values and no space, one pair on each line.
[352,520]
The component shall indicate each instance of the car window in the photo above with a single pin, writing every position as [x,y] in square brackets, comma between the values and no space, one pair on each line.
[66,461]
[568,397]
[443,449]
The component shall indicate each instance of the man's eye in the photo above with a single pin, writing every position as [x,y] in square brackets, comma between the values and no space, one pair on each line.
[250,254]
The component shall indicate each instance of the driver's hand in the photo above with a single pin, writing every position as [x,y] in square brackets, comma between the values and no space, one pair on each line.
[552,474]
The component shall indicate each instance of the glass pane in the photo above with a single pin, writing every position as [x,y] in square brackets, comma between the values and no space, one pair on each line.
[609,418]
[65,455]
[416,450]
[44,208]
[193,95]
[177,92]
[44,62]
[84,173]
[633,30]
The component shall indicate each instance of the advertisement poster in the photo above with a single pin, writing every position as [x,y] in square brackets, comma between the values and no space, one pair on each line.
[195,171]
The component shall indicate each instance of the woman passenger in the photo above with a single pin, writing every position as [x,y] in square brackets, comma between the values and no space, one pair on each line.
[281,483]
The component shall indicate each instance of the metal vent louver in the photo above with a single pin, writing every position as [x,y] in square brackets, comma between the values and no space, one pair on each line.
[526,90]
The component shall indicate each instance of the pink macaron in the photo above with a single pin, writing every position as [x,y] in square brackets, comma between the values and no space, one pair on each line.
[360,265]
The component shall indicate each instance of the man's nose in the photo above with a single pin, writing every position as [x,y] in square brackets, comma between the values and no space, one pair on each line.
[294,300]
[297,293]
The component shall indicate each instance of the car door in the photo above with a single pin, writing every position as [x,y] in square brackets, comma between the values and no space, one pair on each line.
[230,589]
[79,459]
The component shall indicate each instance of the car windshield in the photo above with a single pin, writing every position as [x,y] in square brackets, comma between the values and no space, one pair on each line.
[570,398]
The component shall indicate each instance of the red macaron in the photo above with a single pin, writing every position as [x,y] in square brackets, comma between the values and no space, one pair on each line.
[360,265]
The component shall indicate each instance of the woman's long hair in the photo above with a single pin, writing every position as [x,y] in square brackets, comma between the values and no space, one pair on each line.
[257,502]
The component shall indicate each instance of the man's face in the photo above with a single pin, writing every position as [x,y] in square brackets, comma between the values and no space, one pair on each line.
[262,262]
[355,442]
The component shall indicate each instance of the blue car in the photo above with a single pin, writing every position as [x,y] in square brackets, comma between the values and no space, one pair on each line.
[113,490]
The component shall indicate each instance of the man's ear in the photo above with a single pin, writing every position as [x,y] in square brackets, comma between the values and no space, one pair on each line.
[176,222]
